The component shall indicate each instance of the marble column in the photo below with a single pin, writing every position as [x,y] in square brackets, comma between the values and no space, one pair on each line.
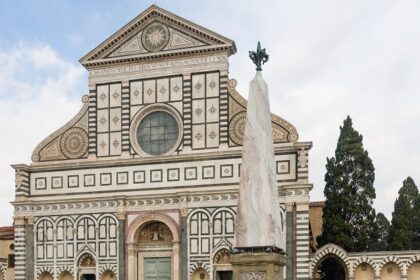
[132,263]
[30,247]
[184,248]
[121,245]
[289,242]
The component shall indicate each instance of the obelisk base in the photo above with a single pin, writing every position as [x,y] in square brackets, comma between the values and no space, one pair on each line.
[258,266]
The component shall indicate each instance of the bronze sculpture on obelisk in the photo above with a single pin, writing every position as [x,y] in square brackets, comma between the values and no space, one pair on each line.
[259,247]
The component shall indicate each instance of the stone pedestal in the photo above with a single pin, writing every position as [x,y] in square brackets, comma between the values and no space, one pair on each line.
[258,266]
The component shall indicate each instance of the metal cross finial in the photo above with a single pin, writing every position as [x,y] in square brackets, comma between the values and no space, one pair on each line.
[258,56]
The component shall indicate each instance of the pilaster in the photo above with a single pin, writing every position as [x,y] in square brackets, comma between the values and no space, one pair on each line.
[121,245]
[20,249]
[184,236]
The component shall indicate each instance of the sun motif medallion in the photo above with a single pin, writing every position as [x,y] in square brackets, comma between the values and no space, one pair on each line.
[155,37]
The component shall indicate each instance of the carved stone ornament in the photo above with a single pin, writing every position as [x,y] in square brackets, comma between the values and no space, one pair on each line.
[59,145]
[237,127]
[155,232]
[18,179]
[252,276]
[155,37]
[87,261]
[283,131]
[74,143]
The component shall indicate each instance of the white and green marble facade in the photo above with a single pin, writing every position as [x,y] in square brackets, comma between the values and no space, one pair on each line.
[91,189]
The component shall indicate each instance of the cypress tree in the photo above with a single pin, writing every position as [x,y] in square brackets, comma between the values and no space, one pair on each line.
[416,224]
[349,218]
[383,225]
[401,234]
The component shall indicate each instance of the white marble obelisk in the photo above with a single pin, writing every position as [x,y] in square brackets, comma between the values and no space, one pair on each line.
[258,221]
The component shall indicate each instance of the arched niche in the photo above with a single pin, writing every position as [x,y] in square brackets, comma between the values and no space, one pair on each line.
[153,241]
[391,271]
[45,276]
[65,275]
[200,274]
[154,232]
[108,275]
[364,271]
[86,266]
[222,267]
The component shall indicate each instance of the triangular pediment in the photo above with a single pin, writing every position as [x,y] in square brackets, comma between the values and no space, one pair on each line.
[157,33]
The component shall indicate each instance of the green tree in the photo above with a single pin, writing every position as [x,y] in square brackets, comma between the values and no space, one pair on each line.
[383,225]
[349,218]
[401,234]
[416,224]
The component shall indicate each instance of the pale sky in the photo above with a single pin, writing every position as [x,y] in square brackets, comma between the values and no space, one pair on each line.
[328,59]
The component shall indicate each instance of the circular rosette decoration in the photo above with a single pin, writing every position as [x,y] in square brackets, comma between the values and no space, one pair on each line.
[155,37]
[74,143]
[237,128]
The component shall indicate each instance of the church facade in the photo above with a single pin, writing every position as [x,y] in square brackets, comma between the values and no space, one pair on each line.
[143,182]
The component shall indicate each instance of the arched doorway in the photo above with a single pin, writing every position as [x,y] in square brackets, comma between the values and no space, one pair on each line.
[153,248]
[364,271]
[391,271]
[330,267]
[221,265]
[87,267]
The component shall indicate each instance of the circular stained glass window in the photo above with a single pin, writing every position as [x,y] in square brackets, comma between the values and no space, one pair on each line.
[157,133]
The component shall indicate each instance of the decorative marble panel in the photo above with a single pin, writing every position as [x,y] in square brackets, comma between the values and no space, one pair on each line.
[139,176]
[103,96]
[115,95]
[149,91]
[199,136]
[208,172]
[179,174]
[176,89]
[173,174]
[105,179]
[57,182]
[198,86]
[283,167]
[212,110]
[115,147]
[226,171]
[89,180]
[122,178]
[73,181]
[198,111]
[190,173]
[115,119]
[102,120]
[212,138]
[163,90]
[103,144]
[136,93]
[212,84]
[41,183]
[156,175]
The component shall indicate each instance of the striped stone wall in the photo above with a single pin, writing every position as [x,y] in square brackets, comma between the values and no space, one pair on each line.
[20,249]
